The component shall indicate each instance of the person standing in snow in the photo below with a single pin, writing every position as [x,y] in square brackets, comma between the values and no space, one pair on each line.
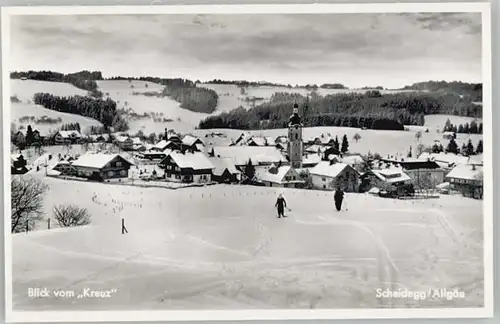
[338,197]
[280,204]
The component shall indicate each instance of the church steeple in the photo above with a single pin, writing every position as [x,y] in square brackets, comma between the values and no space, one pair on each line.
[295,144]
[295,118]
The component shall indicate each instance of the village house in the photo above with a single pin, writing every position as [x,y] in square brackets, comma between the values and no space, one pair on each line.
[99,138]
[426,174]
[328,175]
[166,145]
[279,176]
[101,166]
[225,171]
[391,180]
[310,160]
[153,155]
[124,142]
[447,161]
[187,167]
[468,180]
[67,137]
[257,141]
[240,155]
[191,143]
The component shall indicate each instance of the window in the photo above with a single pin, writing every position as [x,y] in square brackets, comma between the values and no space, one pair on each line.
[110,173]
[118,164]
[177,176]
[169,167]
[296,136]
[169,175]
[324,179]
[324,186]
[177,168]
[123,173]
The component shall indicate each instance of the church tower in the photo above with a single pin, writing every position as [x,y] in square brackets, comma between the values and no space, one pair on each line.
[295,144]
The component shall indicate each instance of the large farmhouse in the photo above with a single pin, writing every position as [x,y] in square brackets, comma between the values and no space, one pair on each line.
[467,179]
[283,176]
[100,166]
[329,175]
[187,167]
[67,137]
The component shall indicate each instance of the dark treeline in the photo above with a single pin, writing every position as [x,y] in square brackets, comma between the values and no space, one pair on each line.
[85,80]
[103,110]
[184,91]
[244,83]
[468,128]
[71,126]
[469,91]
[372,110]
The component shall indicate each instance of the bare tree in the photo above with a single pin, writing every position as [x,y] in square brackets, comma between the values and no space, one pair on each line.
[26,203]
[357,137]
[71,215]
[418,135]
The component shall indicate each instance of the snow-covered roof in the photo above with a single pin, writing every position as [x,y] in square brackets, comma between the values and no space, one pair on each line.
[121,138]
[264,174]
[221,164]
[352,159]
[189,140]
[161,144]
[447,158]
[466,172]
[258,140]
[96,160]
[70,133]
[314,148]
[136,140]
[311,159]
[258,154]
[324,168]
[195,161]
[391,175]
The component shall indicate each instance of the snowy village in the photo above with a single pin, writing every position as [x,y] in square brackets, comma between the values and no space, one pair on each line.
[227,193]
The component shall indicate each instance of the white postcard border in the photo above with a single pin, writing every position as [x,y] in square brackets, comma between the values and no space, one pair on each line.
[200,315]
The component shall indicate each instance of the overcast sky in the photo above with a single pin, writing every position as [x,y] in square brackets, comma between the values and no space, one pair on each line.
[357,50]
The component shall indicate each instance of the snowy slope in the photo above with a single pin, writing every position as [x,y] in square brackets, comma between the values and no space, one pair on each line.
[25,90]
[127,96]
[223,247]
[231,97]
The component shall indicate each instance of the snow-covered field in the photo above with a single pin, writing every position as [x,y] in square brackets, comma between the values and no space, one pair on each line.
[437,122]
[25,90]
[231,97]
[122,91]
[222,247]
[374,141]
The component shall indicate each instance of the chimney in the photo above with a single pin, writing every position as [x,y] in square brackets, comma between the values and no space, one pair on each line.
[473,167]
[166,134]
[333,161]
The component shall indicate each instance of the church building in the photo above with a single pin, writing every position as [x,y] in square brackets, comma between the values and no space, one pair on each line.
[295,142]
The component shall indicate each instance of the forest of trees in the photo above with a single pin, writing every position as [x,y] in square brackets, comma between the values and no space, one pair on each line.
[183,91]
[103,110]
[468,128]
[470,91]
[85,80]
[372,110]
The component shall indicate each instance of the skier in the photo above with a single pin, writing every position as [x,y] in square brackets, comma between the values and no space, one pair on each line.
[281,204]
[338,197]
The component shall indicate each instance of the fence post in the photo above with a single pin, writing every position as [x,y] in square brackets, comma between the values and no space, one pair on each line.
[27,226]
[48,223]
[124,229]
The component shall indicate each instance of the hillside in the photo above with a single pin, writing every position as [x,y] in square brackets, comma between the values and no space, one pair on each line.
[232,96]
[146,111]
[196,253]
[24,108]
[474,91]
